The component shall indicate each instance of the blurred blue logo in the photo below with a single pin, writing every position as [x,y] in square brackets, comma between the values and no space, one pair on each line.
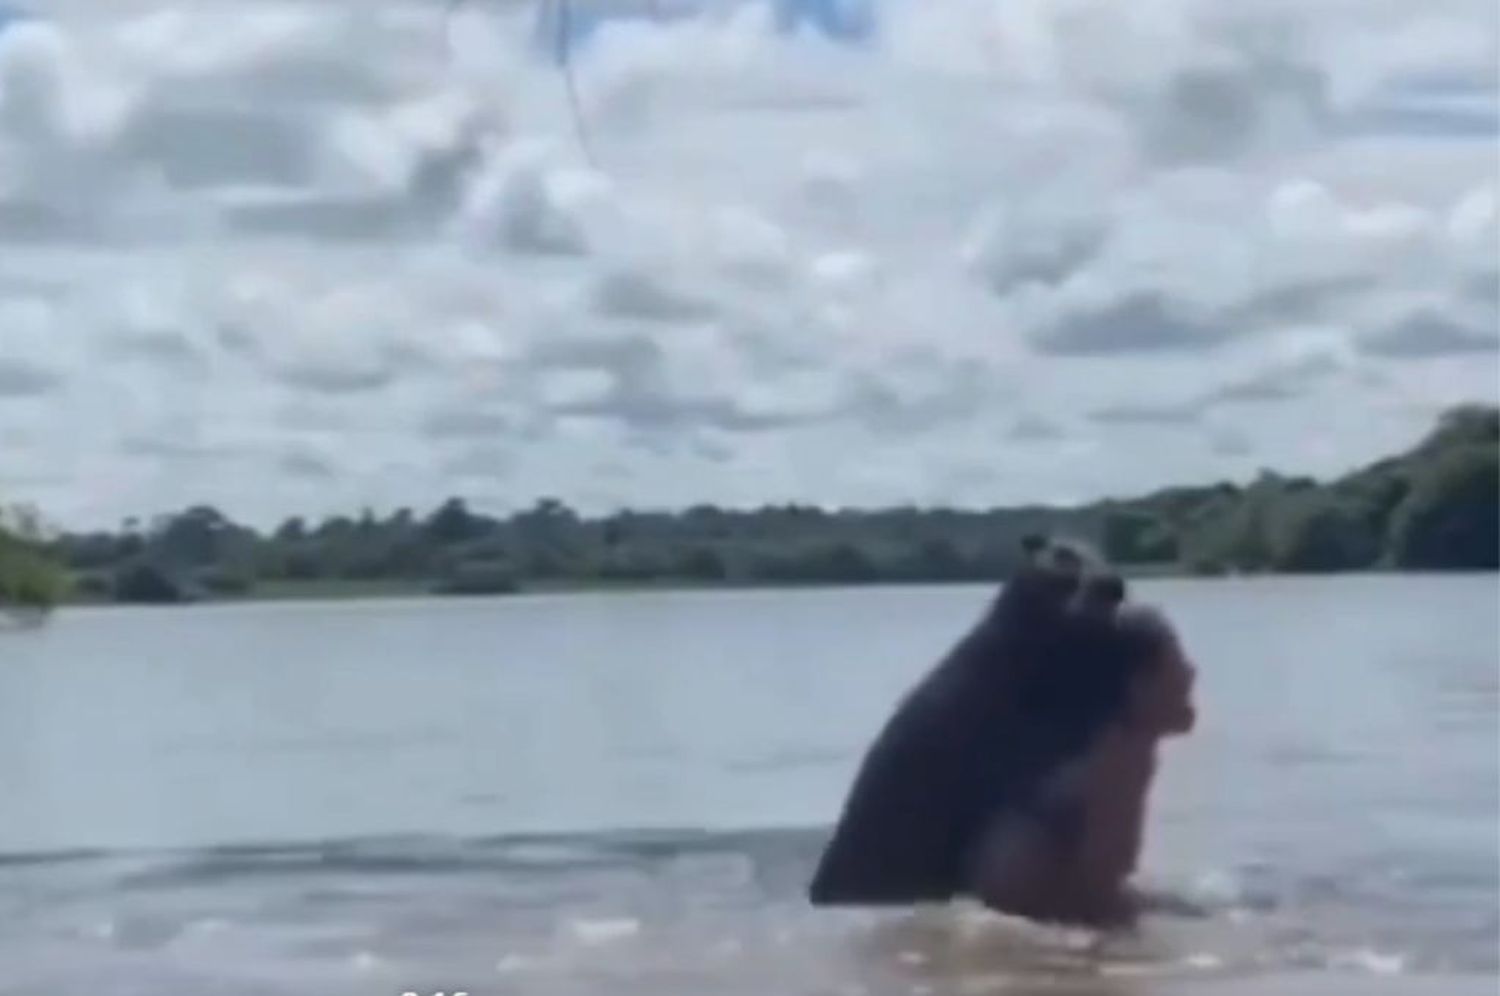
[563,26]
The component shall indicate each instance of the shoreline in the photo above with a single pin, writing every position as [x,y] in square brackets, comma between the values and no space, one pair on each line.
[413,590]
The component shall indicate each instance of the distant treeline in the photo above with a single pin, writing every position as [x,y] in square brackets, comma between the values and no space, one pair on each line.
[31,577]
[1434,507]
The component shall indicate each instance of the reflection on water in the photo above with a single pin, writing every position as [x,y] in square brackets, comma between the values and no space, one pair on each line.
[474,773]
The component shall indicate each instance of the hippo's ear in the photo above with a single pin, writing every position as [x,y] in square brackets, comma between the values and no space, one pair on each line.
[1073,557]
[1038,589]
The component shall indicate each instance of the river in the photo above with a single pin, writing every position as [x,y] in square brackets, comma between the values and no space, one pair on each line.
[625,794]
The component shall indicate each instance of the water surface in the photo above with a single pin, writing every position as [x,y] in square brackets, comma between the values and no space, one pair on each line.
[625,794]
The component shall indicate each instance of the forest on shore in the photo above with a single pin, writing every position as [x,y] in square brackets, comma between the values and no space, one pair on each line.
[1433,507]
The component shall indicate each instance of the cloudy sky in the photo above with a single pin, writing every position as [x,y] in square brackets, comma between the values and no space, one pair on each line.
[312,255]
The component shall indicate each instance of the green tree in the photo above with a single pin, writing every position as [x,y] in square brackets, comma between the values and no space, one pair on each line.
[702,563]
[840,562]
[1135,537]
[193,538]
[1432,506]
[477,578]
[453,523]
[31,578]
[147,584]
[1451,518]
[293,530]
[1464,425]
[1317,533]
[936,558]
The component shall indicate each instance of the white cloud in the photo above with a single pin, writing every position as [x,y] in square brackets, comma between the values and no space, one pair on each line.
[1126,322]
[1035,429]
[647,294]
[301,461]
[521,202]
[1166,414]
[1281,378]
[466,422]
[1016,241]
[751,247]
[1429,332]
[344,246]
[32,359]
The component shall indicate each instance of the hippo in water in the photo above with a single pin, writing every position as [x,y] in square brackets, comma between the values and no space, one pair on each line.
[1015,698]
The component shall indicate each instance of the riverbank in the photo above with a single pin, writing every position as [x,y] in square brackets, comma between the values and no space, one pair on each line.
[338,590]
[345,590]
[1434,507]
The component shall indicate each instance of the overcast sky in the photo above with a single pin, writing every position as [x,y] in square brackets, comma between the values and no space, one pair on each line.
[309,256]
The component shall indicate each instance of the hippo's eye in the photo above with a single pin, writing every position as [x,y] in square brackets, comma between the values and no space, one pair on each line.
[1107,589]
[1066,559]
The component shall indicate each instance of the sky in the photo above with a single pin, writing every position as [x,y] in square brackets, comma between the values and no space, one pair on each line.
[306,256]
